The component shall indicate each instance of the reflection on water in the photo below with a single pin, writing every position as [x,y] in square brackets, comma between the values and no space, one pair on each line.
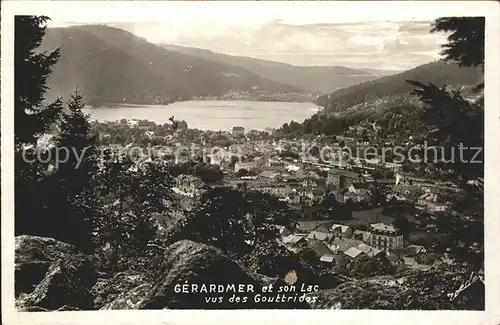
[213,115]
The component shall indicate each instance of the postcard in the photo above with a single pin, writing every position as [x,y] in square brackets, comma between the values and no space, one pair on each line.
[178,162]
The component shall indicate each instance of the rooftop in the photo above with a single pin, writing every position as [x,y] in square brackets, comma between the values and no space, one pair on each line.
[383,227]
[327,258]
[353,252]
[344,173]
[343,228]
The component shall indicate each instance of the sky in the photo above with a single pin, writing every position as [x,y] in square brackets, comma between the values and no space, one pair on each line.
[306,35]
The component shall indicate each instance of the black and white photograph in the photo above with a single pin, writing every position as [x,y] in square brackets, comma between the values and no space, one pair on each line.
[268,156]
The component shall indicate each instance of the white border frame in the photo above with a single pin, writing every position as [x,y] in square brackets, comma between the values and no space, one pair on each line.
[336,11]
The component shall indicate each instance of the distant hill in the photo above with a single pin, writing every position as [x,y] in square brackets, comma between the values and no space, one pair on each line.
[110,65]
[438,73]
[322,79]
[387,101]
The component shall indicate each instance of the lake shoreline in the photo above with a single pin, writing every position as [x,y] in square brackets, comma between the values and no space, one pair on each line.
[211,114]
[115,105]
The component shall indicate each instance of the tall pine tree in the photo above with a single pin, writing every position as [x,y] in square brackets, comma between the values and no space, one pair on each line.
[457,121]
[31,119]
[77,148]
[31,69]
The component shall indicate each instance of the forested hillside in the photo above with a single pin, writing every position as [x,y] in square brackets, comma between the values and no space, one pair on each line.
[438,73]
[323,79]
[111,65]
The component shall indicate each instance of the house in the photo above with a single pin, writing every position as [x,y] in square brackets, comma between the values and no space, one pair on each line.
[308,182]
[363,196]
[342,178]
[307,226]
[327,259]
[354,253]
[238,131]
[319,248]
[429,202]
[350,196]
[358,188]
[385,237]
[189,184]
[361,235]
[338,245]
[409,262]
[338,194]
[283,231]
[244,165]
[319,236]
[277,190]
[311,175]
[396,261]
[370,251]
[269,175]
[417,249]
[292,198]
[294,241]
[341,231]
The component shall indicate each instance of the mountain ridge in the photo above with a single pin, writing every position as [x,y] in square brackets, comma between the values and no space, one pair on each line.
[117,66]
[320,79]
[436,72]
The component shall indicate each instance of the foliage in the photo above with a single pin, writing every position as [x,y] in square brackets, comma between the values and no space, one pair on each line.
[232,220]
[456,121]
[367,267]
[465,42]
[422,290]
[56,206]
[31,117]
[133,70]
[127,228]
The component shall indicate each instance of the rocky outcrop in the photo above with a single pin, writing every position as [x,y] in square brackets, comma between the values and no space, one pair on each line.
[416,290]
[33,257]
[130,299]
[107,290]
[51,275]
[195,265]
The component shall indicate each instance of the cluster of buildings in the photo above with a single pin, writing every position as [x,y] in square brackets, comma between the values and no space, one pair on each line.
[338,244]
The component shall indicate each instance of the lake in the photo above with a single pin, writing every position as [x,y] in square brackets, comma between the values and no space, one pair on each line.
[212,115]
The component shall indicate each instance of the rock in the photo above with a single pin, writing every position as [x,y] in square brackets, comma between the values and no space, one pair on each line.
[130,299]
[51,274]
[32,309]
[68,308]
[415,289]
[28,275]
[187,262]
[61,286]
[107,290]
[34,255]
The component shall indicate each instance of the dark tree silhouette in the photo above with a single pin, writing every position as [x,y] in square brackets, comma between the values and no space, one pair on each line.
[31,119]
[457,121]
[31,69]
[466,40]
[75,136]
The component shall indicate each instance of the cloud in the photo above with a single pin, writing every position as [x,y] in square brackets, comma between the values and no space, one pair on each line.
[380,44]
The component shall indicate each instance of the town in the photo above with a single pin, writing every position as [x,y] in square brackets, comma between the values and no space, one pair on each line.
[348,208]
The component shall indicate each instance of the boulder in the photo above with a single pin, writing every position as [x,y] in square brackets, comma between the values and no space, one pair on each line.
[130,299]
[61,287]
[33,257]
[51,274]
[440,288]
[107,290]
[194,264]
